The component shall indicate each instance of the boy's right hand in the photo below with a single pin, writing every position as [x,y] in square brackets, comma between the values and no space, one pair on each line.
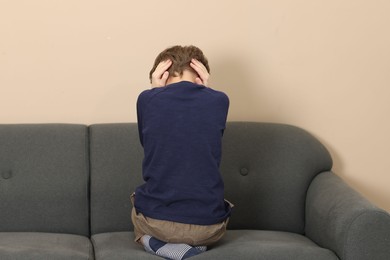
[161,74]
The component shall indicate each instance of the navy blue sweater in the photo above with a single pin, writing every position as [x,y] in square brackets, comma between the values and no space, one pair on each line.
[181,127]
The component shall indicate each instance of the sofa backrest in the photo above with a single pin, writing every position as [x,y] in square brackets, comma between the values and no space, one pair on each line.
[44,178]
[267,169]
[116,157]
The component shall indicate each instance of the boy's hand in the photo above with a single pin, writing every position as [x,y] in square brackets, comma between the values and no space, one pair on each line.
[204,75]
[161,74]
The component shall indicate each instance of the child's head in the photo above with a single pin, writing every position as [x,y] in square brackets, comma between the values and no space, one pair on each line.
[181,58]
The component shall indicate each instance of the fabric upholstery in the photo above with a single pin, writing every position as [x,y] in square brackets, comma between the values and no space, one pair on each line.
[237,244]
[38,246]
[267,169]
[44,178]
[342,220]
[116,157]
[119,246]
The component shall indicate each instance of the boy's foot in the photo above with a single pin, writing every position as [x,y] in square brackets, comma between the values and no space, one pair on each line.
[170,250]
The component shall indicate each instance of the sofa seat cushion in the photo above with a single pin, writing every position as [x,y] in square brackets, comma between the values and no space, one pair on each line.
[31,246]
[236,244]
[275,245]
[118,246]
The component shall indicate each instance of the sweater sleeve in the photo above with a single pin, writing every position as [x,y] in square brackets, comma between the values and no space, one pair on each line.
[225,108]
[141,102]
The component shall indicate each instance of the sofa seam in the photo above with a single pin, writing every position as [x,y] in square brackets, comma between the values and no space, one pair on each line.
[88,166]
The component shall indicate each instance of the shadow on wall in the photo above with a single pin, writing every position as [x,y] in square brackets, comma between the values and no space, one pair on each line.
[338,165]
[228,74]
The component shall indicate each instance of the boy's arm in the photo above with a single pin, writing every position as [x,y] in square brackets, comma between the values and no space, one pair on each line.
[159,79]
[226,104]
[140,107]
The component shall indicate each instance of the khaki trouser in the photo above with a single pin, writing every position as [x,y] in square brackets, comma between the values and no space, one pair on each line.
[174,232]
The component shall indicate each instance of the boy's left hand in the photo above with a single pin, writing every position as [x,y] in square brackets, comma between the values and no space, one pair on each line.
[204,75]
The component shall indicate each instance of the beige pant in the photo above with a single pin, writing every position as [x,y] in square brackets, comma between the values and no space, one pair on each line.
[174,232]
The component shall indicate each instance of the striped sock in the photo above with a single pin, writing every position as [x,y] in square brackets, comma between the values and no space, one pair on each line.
[170,250]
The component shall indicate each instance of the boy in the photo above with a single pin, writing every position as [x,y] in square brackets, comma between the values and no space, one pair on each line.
[181,208]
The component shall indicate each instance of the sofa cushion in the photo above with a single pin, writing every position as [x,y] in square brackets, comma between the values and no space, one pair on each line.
[31,246]
[264,245]
[118,246]
[44,178]
[116,170]
[267,169]
[236,244]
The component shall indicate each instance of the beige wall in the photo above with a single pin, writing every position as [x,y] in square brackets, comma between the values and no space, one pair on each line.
[321,65]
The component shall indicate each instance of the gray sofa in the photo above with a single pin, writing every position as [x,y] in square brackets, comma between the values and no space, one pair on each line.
[64,194]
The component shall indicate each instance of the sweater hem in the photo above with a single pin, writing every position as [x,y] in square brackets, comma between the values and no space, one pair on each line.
[184,220]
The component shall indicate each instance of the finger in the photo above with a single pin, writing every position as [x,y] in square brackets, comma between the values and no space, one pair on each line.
[199,64]
[162,67]
[160,74]
[165,64]
[196,68]
[201,70]
[164,77]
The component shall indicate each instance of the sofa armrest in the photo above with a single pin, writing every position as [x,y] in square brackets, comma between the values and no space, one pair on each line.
[340,219]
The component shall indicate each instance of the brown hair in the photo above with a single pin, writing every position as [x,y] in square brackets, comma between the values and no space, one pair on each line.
[181,58]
